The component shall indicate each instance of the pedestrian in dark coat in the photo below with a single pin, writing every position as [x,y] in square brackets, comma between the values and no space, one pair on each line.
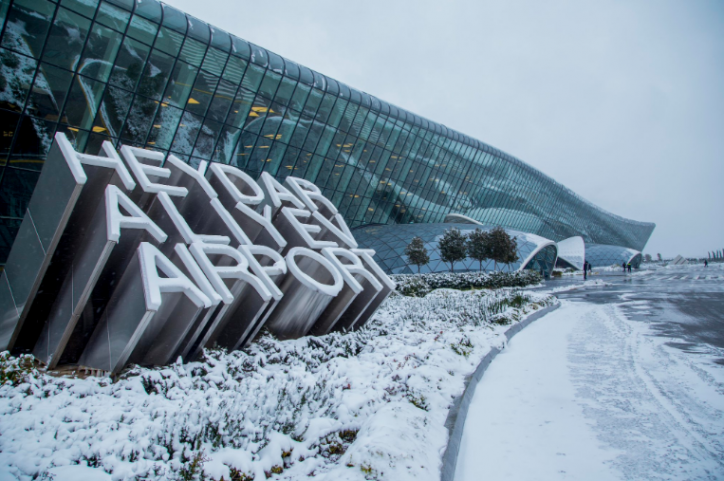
[624,267]
[585,269]
[629,268]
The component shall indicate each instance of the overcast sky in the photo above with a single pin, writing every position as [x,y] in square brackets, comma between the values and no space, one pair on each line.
[621,101]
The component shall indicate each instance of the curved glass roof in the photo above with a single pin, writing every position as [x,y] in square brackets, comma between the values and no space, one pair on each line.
[145,74]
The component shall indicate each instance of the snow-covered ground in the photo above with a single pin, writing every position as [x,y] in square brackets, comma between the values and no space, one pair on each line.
[586,393]
[364,405]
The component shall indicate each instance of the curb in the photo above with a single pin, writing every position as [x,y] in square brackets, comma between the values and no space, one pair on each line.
[455,421]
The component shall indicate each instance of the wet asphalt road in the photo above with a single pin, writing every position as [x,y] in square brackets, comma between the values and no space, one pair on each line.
[685,304]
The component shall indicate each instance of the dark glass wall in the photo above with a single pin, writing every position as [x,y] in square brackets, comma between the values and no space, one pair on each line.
[145,74]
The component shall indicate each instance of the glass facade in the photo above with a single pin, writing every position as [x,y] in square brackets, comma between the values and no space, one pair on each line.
[141,73]
[604,255]
[389,242]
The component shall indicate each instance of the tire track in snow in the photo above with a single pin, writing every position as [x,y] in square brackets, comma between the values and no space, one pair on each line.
[645,400]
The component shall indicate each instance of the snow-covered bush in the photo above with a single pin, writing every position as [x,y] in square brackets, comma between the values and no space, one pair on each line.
[369,404]
[419,285]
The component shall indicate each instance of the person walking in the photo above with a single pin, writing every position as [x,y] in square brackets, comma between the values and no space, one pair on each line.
[706,263]
[624,267]
[590,268]
[629,268]
[585,269]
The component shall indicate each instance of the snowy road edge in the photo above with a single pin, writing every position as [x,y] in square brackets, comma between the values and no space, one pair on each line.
[455,421]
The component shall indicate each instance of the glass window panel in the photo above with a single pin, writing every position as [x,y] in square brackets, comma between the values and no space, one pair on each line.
[319,81]
[285,91]
[332,86]
[289,165]
[180,85]
[157,72]
[202,93]
[186,133]
[113,17]
[142,29]
[287,127]
[274,159]
[149,9]
[220,39]
[336,115]
[82,103]
[240,48]
[129,64]
[301,92]
[169,41]
[174,19]
[139,120]
[48,93]
[301,130]
[325,108]
[276,63]
[234,70]
[325,141]
[66,39]
[291,69]
[306,76]
[215,61]
[260,155]
[222,101]
[125,4]
[113,111]
[164,127]
[8,125]
[253,77]
[28,22]
[258,56]
[100,53]
[198,29]
[244,148]
[15,191]
[32,143]
[86,8]
[16,75]
[206,139]
[313,102]
[226,146]
[240,108]
[269,84]
[193,52]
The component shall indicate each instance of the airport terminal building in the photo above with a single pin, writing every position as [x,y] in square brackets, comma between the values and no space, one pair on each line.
[141,73]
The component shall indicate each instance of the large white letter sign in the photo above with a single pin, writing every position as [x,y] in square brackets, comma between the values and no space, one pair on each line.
[108,271]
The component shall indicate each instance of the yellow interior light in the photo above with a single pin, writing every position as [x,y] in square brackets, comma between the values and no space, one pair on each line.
[193,101]
[157,126]
[72,129]
[253,114]
[99,129]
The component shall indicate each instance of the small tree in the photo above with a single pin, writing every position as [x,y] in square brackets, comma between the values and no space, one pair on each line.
[647,257]
[417,253]
[452,247]
[479,246]
[503,248]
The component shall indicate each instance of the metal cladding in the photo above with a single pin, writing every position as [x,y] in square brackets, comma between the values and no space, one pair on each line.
[142,259]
